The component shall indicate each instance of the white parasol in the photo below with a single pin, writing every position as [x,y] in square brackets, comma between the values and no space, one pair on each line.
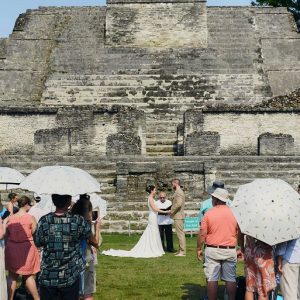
[62,180]
[268,210]
[10,178]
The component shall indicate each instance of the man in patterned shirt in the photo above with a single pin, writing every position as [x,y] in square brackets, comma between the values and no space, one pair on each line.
[60,234]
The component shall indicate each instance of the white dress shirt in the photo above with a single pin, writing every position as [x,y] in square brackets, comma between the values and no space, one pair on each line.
[164,219]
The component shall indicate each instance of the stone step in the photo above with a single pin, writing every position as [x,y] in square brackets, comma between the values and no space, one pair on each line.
[156,142]
[137,95]
[159,136]
[257,165]
[255,158]
[232,187]
[166,149]
[123,226]
[253,173]
[137,215]
[159,154]
[57,159]
[131,87]
[92,83]
[99,169]
[143,206]
[112,79]
[240,181]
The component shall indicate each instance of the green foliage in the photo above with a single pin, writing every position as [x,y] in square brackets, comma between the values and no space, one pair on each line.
[292,5]
[167,277]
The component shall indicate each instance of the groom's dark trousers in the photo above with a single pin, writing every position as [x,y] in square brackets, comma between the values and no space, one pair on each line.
[166,231]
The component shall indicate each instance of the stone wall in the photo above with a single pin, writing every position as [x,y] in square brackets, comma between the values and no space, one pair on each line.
[76,131]
[279,44]
[202,143]
[3,48]
[156,24]
[53,141]
[239,131]
[17,131]
[133,177]
[275,144]
[125,143]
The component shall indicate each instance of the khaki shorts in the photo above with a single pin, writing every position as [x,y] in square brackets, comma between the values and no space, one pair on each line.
[220,263]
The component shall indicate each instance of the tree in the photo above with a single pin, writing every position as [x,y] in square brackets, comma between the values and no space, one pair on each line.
[292,5]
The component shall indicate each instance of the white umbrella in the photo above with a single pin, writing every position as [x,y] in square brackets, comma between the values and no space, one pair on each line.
[62,180]
[268,210]
[99,203]
[10,178]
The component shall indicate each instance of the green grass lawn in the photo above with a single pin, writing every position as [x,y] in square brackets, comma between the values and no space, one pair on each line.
[167,277]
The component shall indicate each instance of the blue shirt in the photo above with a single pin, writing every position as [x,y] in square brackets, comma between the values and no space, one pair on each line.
[3,211]
[290,251]
[206,206]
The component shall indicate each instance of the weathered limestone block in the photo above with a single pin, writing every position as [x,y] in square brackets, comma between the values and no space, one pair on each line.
[134,121]
[53,141]
[193,121]
[202,143]
[74,117]
[275,144]
[180,139]
[20,85]
[3,43]
[156,24]
[124,143]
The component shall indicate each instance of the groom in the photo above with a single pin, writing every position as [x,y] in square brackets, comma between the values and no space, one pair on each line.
[177,213]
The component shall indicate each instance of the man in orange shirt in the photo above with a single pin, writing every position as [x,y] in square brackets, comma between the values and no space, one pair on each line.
[219,233]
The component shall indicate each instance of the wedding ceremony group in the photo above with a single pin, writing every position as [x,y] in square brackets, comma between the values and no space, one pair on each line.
[53,253]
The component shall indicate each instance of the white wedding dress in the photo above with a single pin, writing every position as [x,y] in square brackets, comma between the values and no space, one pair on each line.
[149,245]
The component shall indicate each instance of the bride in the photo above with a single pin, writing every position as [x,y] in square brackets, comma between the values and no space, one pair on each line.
[149,245]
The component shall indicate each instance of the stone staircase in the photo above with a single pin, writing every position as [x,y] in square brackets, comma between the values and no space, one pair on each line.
[232,32]
[161,138]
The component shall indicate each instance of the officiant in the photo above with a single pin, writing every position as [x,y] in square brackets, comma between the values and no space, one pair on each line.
[165,222]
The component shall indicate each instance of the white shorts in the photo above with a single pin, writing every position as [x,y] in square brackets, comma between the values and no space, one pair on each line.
[220,263]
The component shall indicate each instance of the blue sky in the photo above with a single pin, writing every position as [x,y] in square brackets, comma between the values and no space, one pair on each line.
[10,9]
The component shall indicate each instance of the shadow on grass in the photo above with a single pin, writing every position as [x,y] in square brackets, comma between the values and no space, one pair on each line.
[192,291]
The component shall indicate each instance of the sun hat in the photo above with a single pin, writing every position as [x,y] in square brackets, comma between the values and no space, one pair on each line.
[221,194]
[216,184]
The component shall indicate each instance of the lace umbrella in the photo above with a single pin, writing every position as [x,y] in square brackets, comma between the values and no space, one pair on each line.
[268,210]
[10,178]
[62,180]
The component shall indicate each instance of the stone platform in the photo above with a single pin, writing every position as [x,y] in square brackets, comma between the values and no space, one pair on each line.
[123,179]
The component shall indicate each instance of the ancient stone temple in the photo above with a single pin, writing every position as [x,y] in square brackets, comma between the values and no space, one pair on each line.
[142,91]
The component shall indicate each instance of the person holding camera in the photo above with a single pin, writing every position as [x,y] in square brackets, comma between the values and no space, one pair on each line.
[83,207]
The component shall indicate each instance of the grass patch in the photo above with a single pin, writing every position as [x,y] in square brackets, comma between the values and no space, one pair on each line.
[167,277]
